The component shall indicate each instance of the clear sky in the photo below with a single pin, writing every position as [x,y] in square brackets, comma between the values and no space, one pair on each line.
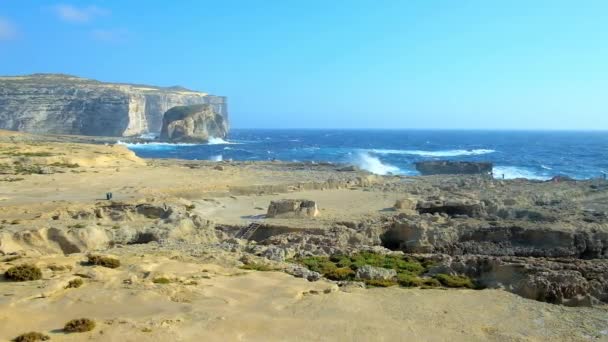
[493,64]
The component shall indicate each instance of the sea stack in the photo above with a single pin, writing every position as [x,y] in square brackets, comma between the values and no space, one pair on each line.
[195,123]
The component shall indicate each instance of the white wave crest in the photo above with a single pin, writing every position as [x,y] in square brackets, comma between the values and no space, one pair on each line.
[372,164]
[217,158]
[513,172]
[151,145]
[220,141]
[444,153]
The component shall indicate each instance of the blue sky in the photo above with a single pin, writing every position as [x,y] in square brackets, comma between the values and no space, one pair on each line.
[336,64]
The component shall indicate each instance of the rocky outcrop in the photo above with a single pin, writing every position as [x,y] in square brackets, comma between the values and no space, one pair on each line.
[61,104]
[292,208]
[444,167]
[194,123]
[569,282]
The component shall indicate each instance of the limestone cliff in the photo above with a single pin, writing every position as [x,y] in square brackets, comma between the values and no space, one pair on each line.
[62,104]
[194,123]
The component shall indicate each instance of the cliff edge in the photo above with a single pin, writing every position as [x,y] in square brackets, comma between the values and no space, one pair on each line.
[64,104]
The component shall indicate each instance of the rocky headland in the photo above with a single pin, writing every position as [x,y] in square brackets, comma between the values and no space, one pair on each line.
[63,104]
[273,250]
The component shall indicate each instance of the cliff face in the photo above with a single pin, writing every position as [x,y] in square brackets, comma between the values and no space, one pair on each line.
[61,104]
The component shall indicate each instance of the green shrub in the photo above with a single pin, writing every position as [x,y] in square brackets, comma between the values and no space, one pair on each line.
[66,165]
[190,207]
[23,272]
[77,225]
[161,280]
[380,283]
[258,267]
[79,325]
[74,283]
[104,261]
[454,281]
[31,337]
[409,280]
[318,264]
[342,273]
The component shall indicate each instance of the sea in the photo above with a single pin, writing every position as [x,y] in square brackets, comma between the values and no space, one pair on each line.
[538,155]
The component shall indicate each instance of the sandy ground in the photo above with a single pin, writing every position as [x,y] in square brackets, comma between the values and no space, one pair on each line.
[209,298]
[226,304]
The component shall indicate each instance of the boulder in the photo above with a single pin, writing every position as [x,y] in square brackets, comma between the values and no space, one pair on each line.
[445,167]
[292,208]
[405,204]
[375,273]
[195,123]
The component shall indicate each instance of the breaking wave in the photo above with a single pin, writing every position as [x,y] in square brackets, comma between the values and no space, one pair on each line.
[372,164]
[220,141]
[512,172]
[152,145]
[217,158]
[444,153]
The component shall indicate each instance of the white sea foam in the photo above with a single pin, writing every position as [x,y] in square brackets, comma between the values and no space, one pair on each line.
[217,158]
[219,141]
[513,172]
[546,167]
[443,153]
[372,164]
[152,145]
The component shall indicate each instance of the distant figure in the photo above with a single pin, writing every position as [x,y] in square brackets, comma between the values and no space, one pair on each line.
[604,175]
[503,176]
[108,196]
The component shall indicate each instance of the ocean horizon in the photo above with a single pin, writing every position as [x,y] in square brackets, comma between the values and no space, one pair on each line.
[530,154]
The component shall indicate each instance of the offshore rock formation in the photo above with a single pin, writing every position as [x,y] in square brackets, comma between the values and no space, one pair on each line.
[443,167]
[195,123]
[62,104]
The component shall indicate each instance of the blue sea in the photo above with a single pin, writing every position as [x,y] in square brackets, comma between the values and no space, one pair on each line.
[515,154]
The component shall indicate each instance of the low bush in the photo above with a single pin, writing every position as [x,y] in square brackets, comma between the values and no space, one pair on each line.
[31,337]
[455,281]
[380,283]
[79,325]
[258,267]
[23,272]
[104,261]
[161,280]
[74,283]
[342,273]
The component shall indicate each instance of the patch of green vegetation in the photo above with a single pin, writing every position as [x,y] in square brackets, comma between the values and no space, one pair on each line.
[74,283]
[11,179]
[79,325]
[455,281]
[190,207]
[115,226]
[65,165]
[258,267]
[23,272]
[161,280]
[380,283]
[340,273]
[28,169]
[104,261]
[13,222]
[31,337]
[77,225]
[409,270]
[29,154]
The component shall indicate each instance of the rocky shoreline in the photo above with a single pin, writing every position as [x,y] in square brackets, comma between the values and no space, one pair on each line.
[340,229]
